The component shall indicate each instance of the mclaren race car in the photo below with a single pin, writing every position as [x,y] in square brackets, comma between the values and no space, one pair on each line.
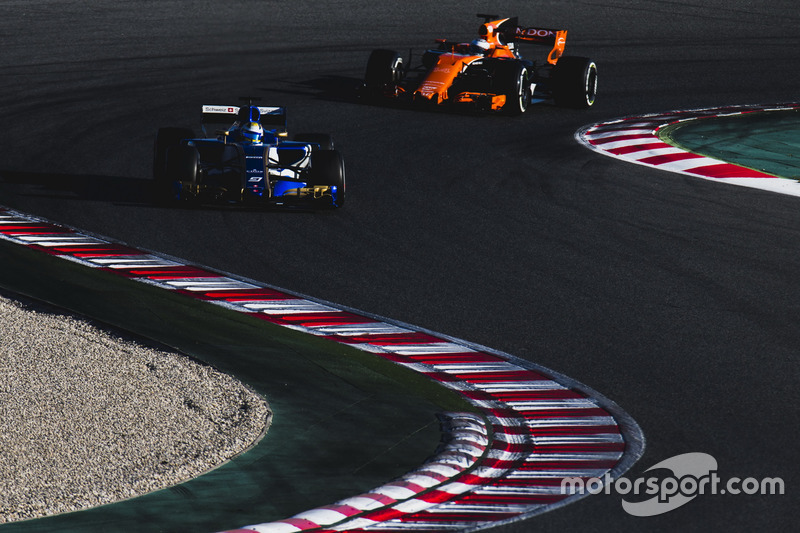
[488,73]
[248,160]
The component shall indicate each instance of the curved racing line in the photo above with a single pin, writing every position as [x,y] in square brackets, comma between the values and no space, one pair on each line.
[636,139]
[535,427]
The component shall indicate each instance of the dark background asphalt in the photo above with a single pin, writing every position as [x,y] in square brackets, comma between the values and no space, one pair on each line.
[675,297]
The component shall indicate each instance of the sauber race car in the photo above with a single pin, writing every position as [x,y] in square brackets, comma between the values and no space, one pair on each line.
[248,160]
[488,73]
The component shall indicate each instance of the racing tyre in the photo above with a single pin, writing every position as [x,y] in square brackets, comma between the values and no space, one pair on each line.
[514,83]
[183,164]
[574,82]
[324,140]
[384,71]
[327,168]
[165,138]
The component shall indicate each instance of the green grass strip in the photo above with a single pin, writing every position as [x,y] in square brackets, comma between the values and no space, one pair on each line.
[768,141]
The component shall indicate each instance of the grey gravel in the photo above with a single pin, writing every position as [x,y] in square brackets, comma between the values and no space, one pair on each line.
[88,417]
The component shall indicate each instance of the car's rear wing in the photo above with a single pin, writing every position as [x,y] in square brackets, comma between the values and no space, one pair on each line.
[511,31]
[555,38]
[272,118]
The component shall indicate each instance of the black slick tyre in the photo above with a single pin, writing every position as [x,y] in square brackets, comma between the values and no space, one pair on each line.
[165,138]
[183,165]
[513,81]
[574,82]
[384,71]
[327,168]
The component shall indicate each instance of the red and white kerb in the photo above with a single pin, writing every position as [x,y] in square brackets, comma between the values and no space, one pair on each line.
[635,139]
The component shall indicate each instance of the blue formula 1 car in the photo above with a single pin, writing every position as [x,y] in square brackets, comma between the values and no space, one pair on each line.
[248,161]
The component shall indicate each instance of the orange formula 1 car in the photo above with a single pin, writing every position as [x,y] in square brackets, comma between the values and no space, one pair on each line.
[488,73]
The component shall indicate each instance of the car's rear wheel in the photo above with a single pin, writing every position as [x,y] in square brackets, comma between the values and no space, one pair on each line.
[574,82]
[384,71]
[327,168]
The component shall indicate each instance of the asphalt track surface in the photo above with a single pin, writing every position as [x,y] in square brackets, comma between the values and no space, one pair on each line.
[675,297]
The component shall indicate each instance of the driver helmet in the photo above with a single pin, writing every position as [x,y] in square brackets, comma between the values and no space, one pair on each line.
[480,46]
[253,132]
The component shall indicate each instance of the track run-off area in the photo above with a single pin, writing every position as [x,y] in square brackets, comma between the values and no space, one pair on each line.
[506,463]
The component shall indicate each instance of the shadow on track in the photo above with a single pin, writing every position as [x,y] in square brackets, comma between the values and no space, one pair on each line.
[117,190]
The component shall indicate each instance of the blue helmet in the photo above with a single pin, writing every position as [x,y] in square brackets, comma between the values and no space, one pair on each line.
[253,132]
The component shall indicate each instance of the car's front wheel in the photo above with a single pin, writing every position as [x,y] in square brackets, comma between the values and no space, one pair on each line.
[384,71]
[514,83]
[165,138]
[327,168]
[182,169]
